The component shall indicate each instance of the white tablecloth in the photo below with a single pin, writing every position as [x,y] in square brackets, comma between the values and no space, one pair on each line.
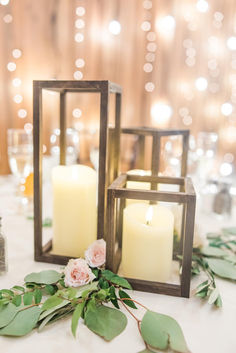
[206,329]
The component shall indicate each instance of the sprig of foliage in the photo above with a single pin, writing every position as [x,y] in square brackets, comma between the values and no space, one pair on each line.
[216,259]
[44,299]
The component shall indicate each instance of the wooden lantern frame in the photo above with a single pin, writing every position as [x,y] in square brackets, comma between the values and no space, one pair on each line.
[107,170]
[157,134]
[186,196]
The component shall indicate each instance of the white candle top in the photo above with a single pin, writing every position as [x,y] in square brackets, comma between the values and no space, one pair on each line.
[74,174]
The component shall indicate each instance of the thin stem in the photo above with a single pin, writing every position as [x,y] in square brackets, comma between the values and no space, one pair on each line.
[30,306]
[122,299]
[138,321]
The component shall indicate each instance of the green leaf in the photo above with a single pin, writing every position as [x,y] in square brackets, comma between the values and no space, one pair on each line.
[113,297]
[130,303]
[53,309]
[45,321]
[7,292]
[37,296]
[17,300]
[122,282]
[213,235]
[159,330]
[28,298]
[47,222]
[230,258]
[203,285]
[108,274]
[51,289]
[213,296]
[19,288]
[105,322]
[229,231]
[23,322]
[95,272]
[51,302]
[75,317]
[146,351]
[222,268]
[218,302]
[71,293]
[87,287]
[212,251]
[44,277]
[103,283]
[7,314]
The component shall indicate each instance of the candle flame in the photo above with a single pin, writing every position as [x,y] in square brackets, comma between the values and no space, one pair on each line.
[149,215]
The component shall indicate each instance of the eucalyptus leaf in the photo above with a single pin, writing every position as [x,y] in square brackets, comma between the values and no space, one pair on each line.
[17,300]
[213,296]
[51,302]
[105,321]
[222,268]
[122,282]
[51,289]
[229,231]
[212,251]
[75,317]
[28,298]
[90,287]
[130,303]
[160,330]
[230,258]
[53,309]
[23,322]
[146,351]
[44,277]
[7,314]
[37,296]
[19,288]
[45,321]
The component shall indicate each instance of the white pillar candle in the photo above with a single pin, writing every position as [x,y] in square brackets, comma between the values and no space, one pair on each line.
[137,184]
[147,242]
[74,209]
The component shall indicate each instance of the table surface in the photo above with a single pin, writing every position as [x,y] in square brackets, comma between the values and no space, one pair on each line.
[206,329]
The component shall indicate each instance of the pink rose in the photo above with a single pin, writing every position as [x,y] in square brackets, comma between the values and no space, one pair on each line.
[77,273]
[95,255]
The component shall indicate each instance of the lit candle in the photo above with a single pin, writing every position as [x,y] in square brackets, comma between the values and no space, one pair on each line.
[74,209]
[147,242]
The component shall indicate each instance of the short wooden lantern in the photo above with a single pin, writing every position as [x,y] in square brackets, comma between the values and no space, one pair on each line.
[107,171]
[156,135]
[117,196]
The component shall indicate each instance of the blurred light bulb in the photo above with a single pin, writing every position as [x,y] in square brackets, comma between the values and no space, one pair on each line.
[114,27]
[231,43]
[149,86]
[226,169]
[166,26]
[16,82]
[11,66]
[147,67]
[147,4]
[79,23]
[18,98]
[146,26]
[78,75]
[226,109]
[16,53]
[22,113]
[79,37]
[28,127]
[8,18]
[80,11]
[202,6]
[77,113]
[201,83]
[79,63]
[4,2]
[161,113]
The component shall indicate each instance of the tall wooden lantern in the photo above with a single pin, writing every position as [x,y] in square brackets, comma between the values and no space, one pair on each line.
[107,171]
[140,241]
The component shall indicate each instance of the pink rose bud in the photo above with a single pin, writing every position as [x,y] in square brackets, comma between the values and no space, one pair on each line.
[77,273]
[95,255]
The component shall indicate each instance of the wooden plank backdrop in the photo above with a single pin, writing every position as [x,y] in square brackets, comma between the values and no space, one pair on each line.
[45,32]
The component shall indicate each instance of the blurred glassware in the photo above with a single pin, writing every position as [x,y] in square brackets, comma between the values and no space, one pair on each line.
[206,149]
[72,145]
[172,153]
[20,155]
[222,203]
